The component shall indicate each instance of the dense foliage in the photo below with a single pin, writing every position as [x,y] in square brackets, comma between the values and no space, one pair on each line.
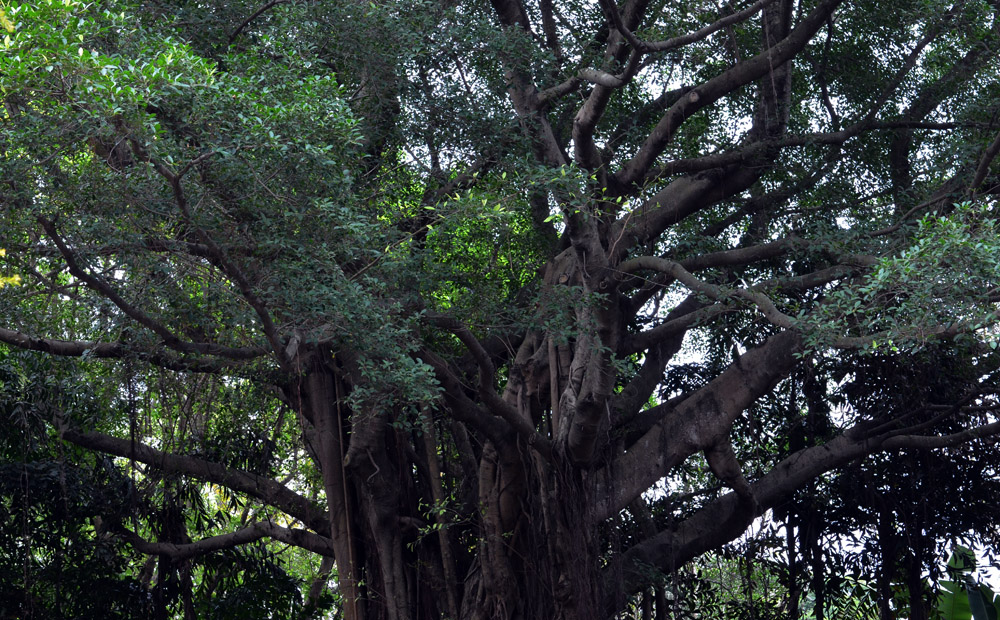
[440,309]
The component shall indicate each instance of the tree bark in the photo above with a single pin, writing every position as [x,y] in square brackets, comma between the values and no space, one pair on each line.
[324,413]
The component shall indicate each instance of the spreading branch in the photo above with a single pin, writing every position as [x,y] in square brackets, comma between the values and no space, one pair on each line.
[686,39]
[724,519]
[219,258]
[170,339]
[265,489]
[983,168]
[751,153]
[699,422]
[115,350]
[711,91]
[267,7]
[255,531]
[712,291]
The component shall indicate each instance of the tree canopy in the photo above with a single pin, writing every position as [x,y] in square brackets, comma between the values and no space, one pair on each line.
[444,309]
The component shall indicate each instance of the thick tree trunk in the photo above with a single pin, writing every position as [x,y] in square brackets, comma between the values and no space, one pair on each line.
[914,577]
[374,463]
[537,554]
[324,414]
[887,544]
[437,493]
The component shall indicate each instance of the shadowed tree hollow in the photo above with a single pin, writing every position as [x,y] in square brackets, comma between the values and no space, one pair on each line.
[480,310]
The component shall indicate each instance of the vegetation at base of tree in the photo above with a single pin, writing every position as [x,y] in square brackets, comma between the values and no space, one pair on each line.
[522,309]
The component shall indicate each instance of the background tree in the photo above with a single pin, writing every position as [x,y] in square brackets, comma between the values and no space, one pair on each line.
[407,288]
